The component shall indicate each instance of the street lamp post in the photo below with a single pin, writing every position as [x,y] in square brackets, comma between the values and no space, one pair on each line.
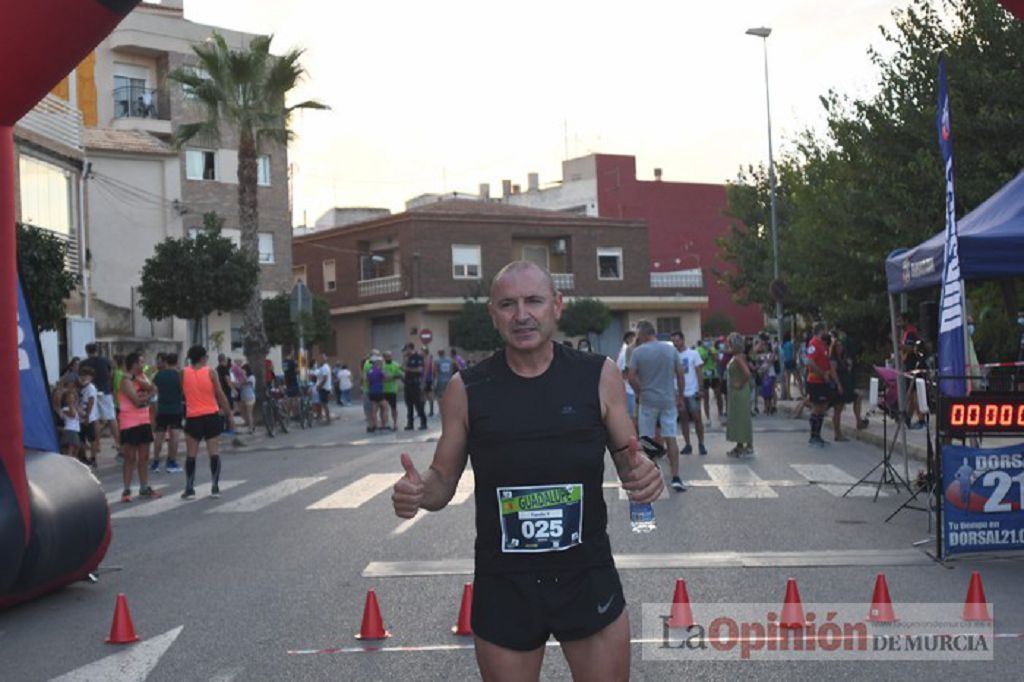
[763,33]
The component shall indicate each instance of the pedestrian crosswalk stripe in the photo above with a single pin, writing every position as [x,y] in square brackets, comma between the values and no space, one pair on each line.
[463,491]
[115,497]
[355,494]
[264,497]
[834,480]
[747,483]
[145,508]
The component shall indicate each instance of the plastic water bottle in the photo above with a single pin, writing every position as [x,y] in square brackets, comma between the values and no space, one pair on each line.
[641,517]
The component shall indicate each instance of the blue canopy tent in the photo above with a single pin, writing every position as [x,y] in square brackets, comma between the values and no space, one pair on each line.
[991,246]
[991,239]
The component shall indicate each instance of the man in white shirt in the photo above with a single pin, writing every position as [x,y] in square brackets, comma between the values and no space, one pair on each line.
[323,385]
[691,395]
[628,340]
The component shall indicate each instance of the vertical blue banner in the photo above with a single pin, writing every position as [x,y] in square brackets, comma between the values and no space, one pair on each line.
[39,432]
[951,302]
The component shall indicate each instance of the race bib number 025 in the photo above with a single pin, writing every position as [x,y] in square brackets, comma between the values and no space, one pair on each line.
[541,518]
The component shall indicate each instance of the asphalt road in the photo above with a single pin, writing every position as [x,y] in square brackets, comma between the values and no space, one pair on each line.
[268,582]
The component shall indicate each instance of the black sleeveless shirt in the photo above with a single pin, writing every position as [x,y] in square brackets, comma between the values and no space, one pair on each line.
[545,430]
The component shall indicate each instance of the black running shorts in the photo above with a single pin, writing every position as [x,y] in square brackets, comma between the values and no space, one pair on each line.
[818,393]
[164,422]
[137,435]
[520,610]
[204,427]
[392,399]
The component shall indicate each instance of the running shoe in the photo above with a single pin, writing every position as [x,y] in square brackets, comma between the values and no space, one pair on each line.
[746,453]
[688,450]
[817,443]
[173,467]
[215,491]
[154,466]
[150,493]
[701,449]
[188,494]
[126,495]
[677,485]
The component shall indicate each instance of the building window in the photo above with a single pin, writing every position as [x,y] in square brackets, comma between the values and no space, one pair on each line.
[377,265]
[330,283]
[237,338]
[263,171]
[200,164]
[609,263]
[266,247]
[536,254]
[299,274]
[45,191]
[465,261]
[667,325]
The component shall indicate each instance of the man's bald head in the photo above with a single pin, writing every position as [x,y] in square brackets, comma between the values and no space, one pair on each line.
[518,266]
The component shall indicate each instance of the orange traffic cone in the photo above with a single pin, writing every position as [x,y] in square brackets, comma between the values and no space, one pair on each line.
[373,624]
[682,615]
[463,627]
[976,606]
[881,605]
[122,631]
[792,609]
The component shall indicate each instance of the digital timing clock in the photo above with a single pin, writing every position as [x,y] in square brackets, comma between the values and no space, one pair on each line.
[981,413]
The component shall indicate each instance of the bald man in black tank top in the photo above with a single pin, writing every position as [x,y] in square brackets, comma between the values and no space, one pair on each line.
[536,418]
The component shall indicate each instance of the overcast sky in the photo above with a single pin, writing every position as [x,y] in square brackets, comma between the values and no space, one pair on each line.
[441,96]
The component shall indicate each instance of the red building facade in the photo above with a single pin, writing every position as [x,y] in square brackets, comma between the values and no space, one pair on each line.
[683,221]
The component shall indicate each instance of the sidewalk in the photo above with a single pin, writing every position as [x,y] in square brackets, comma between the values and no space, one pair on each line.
[917,439]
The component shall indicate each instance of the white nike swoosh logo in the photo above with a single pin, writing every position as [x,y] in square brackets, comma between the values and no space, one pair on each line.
[601,608]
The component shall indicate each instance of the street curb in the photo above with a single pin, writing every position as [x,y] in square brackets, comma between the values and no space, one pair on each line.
[868,436]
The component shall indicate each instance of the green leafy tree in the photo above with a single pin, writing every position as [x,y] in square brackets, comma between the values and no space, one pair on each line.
[718,324]
[245,91]
[192,278]
[281,331]
[872,181]
[47,284]
[585,316]
[474,329]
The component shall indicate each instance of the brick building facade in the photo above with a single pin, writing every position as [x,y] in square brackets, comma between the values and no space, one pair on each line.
[389,278]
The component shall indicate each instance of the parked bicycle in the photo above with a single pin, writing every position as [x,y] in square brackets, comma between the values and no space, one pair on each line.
[275,411]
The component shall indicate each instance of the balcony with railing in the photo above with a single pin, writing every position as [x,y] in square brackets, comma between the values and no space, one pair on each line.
[55,119]
[680,279]
[379,286]
[564,281]
[139,108]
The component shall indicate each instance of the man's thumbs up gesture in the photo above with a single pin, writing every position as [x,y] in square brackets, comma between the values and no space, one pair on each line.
[408,491]
[640,478]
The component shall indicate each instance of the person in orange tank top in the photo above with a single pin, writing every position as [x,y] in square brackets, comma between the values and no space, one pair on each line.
[205,402]
[133,395]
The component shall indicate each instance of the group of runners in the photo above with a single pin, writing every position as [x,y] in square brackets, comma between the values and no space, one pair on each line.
[153,405]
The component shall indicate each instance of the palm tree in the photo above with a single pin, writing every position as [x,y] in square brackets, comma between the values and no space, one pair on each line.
[244,90]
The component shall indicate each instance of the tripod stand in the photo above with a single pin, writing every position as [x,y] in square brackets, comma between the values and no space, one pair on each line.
[930,487]
[889,475]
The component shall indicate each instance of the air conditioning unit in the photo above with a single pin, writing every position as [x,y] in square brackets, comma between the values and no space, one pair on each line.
[559,247]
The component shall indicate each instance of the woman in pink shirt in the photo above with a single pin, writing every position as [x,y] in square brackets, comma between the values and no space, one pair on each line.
[133,398]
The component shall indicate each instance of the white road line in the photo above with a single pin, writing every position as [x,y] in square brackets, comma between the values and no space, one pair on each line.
[744,476]
[465,488]
[622,492]
[682,560]
[834,480]
[358,492]
[463,491]
[267,496]
[172,500]
[115,497]
[129,664]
